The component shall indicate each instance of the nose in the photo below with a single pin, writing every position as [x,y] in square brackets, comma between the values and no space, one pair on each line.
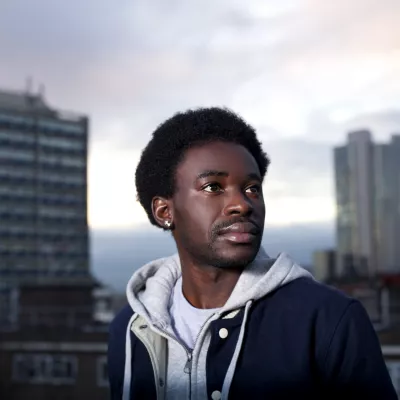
[238,204]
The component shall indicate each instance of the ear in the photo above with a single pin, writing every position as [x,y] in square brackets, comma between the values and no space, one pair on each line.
[161,208]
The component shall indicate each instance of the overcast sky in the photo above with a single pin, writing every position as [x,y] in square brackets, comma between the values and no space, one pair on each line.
[302,72]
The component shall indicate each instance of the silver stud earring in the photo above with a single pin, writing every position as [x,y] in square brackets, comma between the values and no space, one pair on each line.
[167,224]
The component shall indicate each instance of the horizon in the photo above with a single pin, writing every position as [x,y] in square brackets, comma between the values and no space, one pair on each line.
[116,254]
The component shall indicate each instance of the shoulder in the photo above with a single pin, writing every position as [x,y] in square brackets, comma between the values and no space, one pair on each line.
[120,322]
[310,301]
[314,294]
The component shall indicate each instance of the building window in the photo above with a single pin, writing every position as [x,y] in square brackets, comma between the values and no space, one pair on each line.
[61,143]
[102,371]
[50,369]
[394,371]
[61,126]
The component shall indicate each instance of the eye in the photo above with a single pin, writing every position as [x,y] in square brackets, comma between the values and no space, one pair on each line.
[212,188]
[255,189]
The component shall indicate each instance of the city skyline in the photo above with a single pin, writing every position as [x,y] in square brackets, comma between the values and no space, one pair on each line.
[301,72]
[367,180]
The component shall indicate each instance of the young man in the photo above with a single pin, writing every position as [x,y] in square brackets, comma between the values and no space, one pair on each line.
[220,319]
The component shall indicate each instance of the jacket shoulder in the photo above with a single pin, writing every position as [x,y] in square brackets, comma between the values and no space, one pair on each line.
[121,320]
[306,304]
[315,294]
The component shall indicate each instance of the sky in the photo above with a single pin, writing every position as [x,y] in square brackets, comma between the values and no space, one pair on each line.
[303,72]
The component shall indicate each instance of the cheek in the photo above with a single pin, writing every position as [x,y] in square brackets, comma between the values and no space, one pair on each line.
[198,220]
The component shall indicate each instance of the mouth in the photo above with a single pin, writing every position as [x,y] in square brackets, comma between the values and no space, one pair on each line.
[240,233]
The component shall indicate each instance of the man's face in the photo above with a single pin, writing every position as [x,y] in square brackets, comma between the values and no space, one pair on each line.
[218,205]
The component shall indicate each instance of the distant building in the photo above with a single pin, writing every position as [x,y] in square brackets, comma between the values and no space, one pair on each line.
[49,362]
[43,197]
[324,264]
[367,180]
[43,192]
[381,299]
[52,340]
[387,205]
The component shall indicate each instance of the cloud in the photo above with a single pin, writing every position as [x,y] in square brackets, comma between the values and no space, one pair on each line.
[301,71]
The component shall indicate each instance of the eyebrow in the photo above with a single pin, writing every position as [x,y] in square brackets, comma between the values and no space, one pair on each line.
[212,172]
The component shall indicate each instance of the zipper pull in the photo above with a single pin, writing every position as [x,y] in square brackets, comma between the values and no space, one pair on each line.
[188,365]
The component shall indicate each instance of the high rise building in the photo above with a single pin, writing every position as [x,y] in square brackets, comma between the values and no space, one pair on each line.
[367,179]
[43,220]
[52,341]
[44,242]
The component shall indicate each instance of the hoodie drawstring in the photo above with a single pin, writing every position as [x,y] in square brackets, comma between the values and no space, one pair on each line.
[232,366]
[126,394]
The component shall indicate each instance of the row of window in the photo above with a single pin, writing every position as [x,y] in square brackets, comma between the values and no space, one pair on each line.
[48,199]
[59,164]
[19,122]
[45,158]
[53,369]
[52,269]
[49,214]
[17,140]
[65,246]
[48,125]
[63,161]
[39,230]
[11,171]
[46,177]
[17,154]
[24,137]
[47,233]
[29,138]
[9,145]
[43,253]
[16,190]
[46,182]
[62,143]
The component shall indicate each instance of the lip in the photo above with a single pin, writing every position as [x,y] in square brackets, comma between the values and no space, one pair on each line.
[240,227]
[240,232]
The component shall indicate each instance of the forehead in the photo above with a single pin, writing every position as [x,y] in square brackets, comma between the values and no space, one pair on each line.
[228,157]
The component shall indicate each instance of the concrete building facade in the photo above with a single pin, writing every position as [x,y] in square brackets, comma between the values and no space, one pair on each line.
[367,179]
[43,191]
[52,343]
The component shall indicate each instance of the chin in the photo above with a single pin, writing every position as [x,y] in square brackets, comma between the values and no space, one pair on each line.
[235,257]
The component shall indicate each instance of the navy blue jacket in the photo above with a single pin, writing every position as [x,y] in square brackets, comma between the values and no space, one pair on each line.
[303,341]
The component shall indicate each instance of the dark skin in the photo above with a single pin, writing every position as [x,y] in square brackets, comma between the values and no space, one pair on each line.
[217,218]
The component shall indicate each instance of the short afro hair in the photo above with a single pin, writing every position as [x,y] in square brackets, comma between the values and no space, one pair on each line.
[155,173]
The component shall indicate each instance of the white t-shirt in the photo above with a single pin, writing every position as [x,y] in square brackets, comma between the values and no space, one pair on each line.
[186,319]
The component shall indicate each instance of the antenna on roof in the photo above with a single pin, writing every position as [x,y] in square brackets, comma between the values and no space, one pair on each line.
[28,85]
[42,90]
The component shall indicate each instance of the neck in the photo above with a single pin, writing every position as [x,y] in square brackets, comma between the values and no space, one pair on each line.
[207,286]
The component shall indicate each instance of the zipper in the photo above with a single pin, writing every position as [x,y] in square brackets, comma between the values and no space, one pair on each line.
[188,370]
[188,365]
[189,362]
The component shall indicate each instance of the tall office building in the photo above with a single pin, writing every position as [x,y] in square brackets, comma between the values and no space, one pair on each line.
[387,205]
[43,199]
[367,179]
[43,223]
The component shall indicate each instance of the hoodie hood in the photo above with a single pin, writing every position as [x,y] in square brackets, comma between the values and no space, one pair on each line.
[149,289]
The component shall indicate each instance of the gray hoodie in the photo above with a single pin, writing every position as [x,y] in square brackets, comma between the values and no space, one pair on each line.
[149,294]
